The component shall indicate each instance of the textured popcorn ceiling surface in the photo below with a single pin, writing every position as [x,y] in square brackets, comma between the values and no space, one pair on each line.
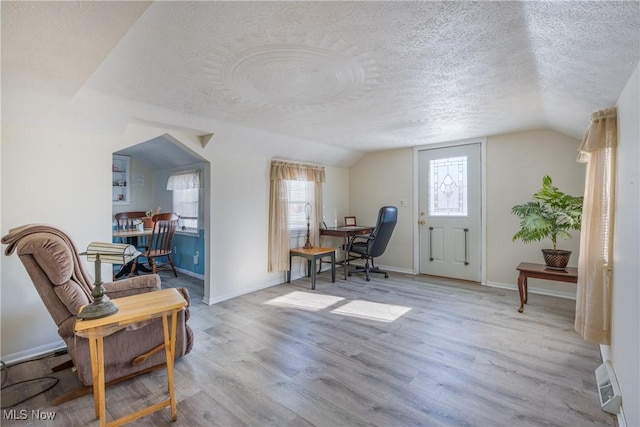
[358,75]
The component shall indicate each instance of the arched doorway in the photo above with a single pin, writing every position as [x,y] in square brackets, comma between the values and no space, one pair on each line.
[151,163]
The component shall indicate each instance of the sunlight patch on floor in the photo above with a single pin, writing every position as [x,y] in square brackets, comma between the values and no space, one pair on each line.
[305,300]
[372,310]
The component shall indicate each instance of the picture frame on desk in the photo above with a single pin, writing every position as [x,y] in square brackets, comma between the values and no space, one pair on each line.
[350,221]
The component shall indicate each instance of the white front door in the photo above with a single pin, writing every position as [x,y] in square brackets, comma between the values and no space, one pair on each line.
[450,217]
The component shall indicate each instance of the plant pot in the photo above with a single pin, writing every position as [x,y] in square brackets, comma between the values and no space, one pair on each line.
[148,222]
[556,259]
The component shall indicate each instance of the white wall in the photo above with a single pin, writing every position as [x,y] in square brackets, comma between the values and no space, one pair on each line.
[56,177]
[239,223]
[335,207]
[625,320]
[515,166]
[335,195]
[381,179]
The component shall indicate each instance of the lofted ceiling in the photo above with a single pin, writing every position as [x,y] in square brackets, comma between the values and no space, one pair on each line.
[361,76]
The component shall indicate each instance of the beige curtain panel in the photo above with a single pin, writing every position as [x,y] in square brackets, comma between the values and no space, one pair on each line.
[279,238]
[593,299]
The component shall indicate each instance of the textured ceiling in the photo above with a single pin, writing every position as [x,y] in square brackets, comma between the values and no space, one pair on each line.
[358,75]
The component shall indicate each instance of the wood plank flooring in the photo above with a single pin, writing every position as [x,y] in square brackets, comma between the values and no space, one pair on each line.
[461,356]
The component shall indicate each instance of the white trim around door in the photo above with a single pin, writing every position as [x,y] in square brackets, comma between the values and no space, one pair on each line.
[416,213]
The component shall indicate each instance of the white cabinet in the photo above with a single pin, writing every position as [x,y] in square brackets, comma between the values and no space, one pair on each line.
[121,180]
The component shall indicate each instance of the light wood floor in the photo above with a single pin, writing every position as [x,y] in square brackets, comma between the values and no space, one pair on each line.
[461,356]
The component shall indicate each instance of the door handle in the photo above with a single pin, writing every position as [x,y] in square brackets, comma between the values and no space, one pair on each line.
[466,248]
[422,222]
[430,243]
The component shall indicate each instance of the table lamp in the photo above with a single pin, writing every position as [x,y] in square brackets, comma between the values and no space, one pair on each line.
[307,209]
[112,253]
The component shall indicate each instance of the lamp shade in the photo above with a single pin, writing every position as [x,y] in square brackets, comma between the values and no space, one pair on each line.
[112,253]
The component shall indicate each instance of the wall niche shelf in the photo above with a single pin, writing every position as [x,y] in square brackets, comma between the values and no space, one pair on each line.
[120,180]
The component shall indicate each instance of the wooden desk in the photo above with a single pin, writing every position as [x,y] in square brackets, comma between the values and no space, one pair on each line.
[539,271]
[346,233]
[311,256]
[133,309]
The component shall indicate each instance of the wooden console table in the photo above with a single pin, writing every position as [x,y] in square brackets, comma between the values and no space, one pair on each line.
[132,309]
[312,255]
[539,271]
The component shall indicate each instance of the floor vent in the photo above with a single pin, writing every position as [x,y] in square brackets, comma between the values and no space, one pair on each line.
[608,389]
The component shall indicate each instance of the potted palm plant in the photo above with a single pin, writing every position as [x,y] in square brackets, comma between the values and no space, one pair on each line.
[551,214]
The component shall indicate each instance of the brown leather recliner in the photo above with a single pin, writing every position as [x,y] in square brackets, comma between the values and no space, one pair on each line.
[57,271]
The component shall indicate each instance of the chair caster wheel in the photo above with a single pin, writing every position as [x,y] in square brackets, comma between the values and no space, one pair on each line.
[368,279]
[386,276]
[349,274]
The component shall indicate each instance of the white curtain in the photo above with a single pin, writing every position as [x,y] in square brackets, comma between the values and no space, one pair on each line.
[184,180]
[281,172]
[593,300]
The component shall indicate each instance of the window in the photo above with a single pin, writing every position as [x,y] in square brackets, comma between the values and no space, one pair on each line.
[185,203]
[300,193]
[185,186]
[285,214]
[448,187]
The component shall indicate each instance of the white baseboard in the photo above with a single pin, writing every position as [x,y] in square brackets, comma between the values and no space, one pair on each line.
[604,353]
[245,291]
[190,273]
[325,267]
[396,269]
[622,422]
[533,290]
[33,352]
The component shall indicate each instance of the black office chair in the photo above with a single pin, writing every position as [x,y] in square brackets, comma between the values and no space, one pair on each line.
[375,243]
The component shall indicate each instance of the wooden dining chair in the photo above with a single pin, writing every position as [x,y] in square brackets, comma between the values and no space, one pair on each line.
[129,221]
[164,227]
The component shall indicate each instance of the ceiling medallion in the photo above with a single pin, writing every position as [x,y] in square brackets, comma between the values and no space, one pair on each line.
[295,75]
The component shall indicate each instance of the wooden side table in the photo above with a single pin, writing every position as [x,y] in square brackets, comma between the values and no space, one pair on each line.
[312,255]
[133,309]
[540,271]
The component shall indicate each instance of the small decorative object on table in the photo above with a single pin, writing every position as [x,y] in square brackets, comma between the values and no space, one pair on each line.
[148,221]
[307,208]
